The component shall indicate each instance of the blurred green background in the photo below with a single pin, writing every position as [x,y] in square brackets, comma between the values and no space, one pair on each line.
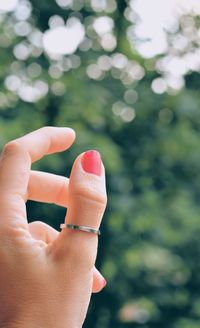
[125,76]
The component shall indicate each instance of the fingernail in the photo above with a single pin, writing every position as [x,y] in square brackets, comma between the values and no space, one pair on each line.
[91,162]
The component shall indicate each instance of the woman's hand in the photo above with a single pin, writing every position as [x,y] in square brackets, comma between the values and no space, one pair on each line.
[46,277]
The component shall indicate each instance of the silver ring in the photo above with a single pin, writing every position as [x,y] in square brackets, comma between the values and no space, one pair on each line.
[81,228]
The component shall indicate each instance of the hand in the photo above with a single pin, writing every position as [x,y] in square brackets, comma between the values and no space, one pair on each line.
[46,277]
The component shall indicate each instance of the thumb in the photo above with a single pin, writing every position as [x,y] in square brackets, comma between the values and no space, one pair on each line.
[87,202]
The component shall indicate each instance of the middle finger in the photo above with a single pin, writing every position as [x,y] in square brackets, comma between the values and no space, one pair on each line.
[48,188]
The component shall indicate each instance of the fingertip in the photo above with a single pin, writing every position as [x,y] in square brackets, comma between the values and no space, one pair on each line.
[86,205]
[65,138]
[72,132]
[99,282]
[91,162]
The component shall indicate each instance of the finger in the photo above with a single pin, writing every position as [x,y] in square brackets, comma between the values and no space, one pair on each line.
[42,231]
[15,168]
[48,188]
[98,281]
[87,201]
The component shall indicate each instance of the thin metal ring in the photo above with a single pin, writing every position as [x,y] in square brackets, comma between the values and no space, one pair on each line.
[81,228]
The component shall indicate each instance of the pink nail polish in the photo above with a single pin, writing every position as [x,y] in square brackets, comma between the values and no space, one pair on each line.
[91,162]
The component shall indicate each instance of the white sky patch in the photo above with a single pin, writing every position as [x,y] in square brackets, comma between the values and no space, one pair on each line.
[8,5]
[156,17]
[63,40]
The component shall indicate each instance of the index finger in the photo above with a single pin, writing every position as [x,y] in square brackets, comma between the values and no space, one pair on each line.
[15,166]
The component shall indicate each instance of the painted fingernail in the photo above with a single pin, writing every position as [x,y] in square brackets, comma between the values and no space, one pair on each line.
[91,162]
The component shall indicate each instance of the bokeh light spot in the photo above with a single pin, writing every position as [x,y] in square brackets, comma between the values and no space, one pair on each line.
[21,51]
[109,42]
[159,85]
[94,72]
[64,3]
[130,96]
[8,5]
[128,114]
[103,25]
[64,39]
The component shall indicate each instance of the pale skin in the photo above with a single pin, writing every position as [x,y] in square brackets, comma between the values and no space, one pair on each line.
[46,276]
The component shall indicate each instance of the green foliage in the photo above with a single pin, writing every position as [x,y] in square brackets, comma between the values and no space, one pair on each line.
[149,139]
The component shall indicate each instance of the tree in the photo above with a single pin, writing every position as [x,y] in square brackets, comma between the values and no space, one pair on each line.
[143,115]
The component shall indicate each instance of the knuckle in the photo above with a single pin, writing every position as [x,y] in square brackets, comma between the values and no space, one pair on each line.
[15,212]
[38,224]
[11,147]
[14,236]
[46,130]
[89,194]
[61,192]
[15,232]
